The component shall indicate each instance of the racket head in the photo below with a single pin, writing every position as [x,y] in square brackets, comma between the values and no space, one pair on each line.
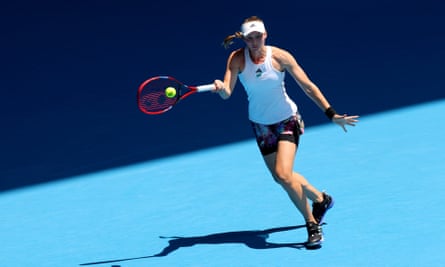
[151,96]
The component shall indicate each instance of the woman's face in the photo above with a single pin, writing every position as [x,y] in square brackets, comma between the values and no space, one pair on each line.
[255,40]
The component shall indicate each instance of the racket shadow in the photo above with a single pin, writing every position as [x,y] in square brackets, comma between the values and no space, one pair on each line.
[255,239]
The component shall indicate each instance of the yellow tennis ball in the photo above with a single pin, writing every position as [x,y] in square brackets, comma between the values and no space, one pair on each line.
[170,92]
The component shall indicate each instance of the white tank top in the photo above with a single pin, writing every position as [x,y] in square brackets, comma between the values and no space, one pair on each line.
[266,93]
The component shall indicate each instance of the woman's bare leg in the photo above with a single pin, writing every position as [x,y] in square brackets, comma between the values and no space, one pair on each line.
[281,165]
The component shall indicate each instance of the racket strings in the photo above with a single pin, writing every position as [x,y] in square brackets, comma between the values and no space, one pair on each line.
[152,97]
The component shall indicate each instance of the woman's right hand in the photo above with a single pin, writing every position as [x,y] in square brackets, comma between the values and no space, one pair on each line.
[220,88]
[219,85]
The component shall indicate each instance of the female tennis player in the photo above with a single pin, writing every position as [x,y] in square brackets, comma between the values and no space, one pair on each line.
[275,119]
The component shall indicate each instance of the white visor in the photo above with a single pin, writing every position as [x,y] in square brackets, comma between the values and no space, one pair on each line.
[252,26]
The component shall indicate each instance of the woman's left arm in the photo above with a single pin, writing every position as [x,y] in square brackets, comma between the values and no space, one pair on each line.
[288,63]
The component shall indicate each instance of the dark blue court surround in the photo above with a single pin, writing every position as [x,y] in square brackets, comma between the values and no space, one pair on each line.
[70,72]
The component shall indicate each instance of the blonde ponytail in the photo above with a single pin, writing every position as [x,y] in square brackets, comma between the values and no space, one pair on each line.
[229,39]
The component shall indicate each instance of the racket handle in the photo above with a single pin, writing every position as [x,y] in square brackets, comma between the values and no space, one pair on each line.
[206,87]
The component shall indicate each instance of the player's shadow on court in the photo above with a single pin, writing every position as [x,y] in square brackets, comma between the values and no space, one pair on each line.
[252,239]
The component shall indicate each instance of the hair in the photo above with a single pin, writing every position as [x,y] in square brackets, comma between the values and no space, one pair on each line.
[229,38]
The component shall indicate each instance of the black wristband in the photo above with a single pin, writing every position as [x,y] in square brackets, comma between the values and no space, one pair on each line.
[330,112]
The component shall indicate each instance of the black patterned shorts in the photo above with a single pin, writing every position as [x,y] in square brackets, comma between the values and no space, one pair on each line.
[268,136]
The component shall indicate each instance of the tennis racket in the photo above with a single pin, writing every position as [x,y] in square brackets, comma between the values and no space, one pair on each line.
[152,96]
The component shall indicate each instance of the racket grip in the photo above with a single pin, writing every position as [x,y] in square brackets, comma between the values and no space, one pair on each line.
[206,87]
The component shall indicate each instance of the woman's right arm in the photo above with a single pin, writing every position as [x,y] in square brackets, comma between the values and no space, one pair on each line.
[225,88]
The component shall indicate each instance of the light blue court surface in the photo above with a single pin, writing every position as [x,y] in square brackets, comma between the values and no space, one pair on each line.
[387,176]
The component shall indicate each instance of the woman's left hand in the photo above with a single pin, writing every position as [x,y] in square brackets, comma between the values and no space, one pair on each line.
[343,120]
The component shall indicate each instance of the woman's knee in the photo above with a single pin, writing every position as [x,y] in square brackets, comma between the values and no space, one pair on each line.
[283,176]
